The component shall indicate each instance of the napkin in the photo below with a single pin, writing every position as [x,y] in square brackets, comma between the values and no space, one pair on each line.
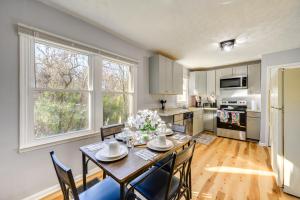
[94,147]
[145,154]
[179,137]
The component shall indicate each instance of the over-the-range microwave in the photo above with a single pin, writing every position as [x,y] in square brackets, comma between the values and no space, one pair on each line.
[234,82]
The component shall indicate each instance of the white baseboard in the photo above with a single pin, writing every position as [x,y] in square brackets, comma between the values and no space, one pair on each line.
[263,144]
[56,187]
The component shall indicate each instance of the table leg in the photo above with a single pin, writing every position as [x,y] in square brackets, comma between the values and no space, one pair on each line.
[122,191]
[84,171]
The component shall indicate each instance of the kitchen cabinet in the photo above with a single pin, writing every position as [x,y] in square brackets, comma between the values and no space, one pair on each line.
[163,73]
[253,125]
[220,73]
[211,82]
[254,79]
[241,70]
[177,78]
[210,120]
[198,124]
[197,83]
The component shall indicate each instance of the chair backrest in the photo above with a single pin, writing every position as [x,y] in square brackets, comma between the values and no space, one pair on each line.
[65,178]
[111,130]
[182,164]
[178,128]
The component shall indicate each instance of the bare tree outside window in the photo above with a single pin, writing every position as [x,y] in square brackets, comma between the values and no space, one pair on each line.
[61,93]
[117,91]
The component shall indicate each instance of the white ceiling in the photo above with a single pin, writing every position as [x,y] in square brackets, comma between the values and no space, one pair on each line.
[190,30]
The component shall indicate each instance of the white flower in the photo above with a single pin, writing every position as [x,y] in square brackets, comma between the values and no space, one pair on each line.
[144,117]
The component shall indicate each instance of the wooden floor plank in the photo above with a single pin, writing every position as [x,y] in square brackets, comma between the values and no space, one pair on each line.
[230,170]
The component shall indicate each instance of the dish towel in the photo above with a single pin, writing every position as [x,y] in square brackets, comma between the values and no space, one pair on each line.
[235,116]
[223,116]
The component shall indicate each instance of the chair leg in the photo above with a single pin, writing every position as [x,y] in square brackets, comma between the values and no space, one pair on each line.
[190,183]
[103,175]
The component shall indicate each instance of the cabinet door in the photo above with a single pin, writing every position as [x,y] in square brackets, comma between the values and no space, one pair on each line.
[177,78]
[197,122]
[200,83]
[162,77]
[208,121]
[254,79]
[192,78]
[211,83]
[241,70]
[169,76]
[220,73]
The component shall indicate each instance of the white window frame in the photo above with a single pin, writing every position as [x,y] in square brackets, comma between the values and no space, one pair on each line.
[185,102]
[27,141]
[133,106]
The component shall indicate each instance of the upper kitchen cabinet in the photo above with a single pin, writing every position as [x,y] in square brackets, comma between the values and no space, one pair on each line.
[254,79]
[163,74]
[197,83]
[211,82]
[220,73]
[177,78]
[241,70]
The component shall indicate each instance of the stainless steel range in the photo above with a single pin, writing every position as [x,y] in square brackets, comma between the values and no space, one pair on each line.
[232,119]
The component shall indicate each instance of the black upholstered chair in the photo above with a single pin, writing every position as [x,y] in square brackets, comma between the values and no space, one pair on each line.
[111,130]
[177,129]
[104,190]
[159,184]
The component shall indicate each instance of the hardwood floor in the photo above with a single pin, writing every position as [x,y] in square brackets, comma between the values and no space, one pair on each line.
[230,169]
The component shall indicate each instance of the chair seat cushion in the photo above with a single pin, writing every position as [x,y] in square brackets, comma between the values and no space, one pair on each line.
[154,187]
[104,190]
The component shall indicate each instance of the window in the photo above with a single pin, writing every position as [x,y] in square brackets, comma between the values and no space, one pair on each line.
[61,92]
[56,92]
[183,97]
[118,90]
[68,93]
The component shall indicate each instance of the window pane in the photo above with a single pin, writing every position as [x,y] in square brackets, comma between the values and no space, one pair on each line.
[183,96]
[116,108]
[59,68]
[60,112]
[116,76]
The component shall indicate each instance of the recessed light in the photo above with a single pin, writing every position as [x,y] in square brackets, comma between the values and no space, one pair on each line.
[227,45]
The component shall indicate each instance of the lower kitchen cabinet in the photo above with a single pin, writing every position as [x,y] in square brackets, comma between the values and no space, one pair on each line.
[198,125]
[210,120]
[253,125]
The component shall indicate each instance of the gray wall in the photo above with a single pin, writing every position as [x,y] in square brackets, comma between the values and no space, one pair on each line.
[269,60]
[27,173]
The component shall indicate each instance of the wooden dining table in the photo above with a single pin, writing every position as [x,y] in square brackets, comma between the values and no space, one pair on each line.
[127,169]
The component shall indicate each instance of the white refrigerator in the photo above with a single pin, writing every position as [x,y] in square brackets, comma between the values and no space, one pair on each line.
[285,128]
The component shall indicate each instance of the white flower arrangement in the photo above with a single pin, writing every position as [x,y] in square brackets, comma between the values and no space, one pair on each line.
[145,120]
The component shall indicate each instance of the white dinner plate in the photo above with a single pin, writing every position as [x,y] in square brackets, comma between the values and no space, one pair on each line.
[104,153]
[104,159]
[153,144]
[169,132]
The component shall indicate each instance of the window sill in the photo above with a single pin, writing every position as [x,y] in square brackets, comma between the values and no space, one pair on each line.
[57,140]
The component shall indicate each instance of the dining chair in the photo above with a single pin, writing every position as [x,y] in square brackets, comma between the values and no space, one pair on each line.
[110,130]
[104,190]
[177,129]
[159,184]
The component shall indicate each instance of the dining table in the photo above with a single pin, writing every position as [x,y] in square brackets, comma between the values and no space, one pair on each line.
[130,167]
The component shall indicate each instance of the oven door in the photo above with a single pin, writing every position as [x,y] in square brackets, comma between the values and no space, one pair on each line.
[241,126]
[234,82]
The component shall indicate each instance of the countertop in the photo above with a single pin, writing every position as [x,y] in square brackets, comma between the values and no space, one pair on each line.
[175,111]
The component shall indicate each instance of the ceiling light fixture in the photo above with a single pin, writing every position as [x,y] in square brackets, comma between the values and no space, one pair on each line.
[227,45]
